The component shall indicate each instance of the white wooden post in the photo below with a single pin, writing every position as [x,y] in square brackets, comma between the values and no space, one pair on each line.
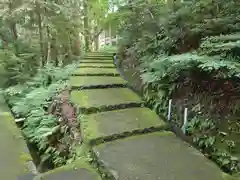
[169,109]
[184,126]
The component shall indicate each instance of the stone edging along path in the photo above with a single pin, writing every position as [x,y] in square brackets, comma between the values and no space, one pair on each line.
[15,160]
[127,140]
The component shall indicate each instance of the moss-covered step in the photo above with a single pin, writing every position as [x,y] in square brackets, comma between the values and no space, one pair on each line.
[78,170]
[99,54]
[99,58]
[87,82]
[97,65]
[105,99]
[96,72]
[15,159]
[110,125]
[159,155]
[96,61]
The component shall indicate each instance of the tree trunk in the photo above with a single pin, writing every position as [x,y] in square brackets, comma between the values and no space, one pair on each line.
[86,26]
[4,40]
[14,31]
[76,44]
[48,54]
[110,35]
[13,26]
[96,43]
[40,29]
[54,51]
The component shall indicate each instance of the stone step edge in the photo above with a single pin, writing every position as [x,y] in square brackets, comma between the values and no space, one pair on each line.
[99,74]
[97,62]
[100,86]
[86,66]
[90,110]
[126,134]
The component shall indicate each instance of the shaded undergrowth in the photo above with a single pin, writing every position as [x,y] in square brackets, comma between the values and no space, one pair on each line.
[50,119]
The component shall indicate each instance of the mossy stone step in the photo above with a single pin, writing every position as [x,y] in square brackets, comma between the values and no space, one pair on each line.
[96,61]
[159,155]
[96,81]
[99,58]
[112,124]
[76,171]
[97,65]
[99,53]
[96,71]
[16,161]
[97,99]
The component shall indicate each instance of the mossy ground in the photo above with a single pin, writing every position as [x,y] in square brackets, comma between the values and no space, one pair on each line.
[86,81]
[93,71]
[79,169]
[104,97]
[110,123]
[14,152]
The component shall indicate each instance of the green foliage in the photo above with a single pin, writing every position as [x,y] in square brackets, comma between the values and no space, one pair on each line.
[170,68]
[17,68]
[224,45]
[149,27]
[165,74]
[36,33]
[32,101]
[182,47]
[204,134]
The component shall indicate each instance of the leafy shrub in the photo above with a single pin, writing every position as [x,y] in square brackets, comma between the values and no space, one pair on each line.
[205,136]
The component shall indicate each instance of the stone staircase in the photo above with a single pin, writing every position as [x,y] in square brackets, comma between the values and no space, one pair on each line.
[127,140]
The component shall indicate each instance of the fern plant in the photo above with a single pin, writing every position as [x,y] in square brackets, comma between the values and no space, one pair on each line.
[32,101]
[163,75]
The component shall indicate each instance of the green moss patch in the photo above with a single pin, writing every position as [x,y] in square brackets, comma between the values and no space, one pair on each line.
[14,154]
[74,171]
[156,156]
[114,123]
[97,61]
[100,98]
[96,71]
[97,65]
[96,81]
